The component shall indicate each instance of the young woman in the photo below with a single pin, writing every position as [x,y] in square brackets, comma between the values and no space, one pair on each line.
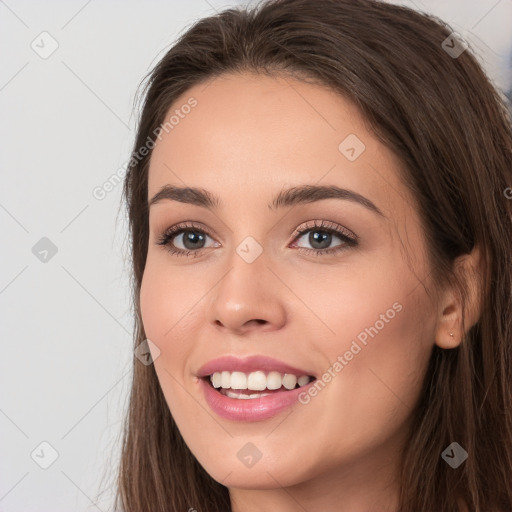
[320,208]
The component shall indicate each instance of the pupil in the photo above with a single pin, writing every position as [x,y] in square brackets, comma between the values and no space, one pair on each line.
[324,240]
[193,238]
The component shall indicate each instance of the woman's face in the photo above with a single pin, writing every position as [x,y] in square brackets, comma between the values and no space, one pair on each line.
[354,314]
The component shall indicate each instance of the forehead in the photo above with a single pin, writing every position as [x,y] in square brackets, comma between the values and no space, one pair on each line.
[250,135]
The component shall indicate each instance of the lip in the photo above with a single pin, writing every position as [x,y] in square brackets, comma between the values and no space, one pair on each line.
[249,364]
[252,409]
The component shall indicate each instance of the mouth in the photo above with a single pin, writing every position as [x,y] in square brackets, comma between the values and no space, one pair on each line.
[258,384]
[253,388]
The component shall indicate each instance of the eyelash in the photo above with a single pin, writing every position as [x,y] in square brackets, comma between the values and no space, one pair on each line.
[346,236]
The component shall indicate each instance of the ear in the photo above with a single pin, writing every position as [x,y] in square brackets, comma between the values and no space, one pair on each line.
[468,269]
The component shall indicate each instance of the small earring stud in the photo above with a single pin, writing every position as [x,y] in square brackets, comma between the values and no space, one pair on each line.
[451,334]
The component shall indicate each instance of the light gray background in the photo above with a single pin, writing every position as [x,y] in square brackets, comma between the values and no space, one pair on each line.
[67,127]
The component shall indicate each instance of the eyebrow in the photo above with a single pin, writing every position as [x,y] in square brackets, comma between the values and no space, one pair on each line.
[296,195]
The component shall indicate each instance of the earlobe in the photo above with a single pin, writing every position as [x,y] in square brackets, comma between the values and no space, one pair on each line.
[449,330]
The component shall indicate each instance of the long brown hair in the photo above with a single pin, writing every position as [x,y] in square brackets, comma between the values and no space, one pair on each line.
[439,113]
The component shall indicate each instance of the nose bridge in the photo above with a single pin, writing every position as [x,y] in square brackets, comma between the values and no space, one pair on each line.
[247,294]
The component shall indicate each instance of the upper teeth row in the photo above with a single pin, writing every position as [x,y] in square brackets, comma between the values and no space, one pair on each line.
[256,381]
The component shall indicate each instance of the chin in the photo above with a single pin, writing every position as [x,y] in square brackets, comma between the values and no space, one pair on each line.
[261,476]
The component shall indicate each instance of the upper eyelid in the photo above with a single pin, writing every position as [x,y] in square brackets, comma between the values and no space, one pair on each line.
[184,226]
[324,225]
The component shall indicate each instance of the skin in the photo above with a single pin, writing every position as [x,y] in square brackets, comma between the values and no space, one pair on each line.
[341,450]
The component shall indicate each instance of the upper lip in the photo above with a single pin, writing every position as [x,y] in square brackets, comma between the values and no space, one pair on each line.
[249,364]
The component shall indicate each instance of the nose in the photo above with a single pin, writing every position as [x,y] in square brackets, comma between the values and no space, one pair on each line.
[248,297]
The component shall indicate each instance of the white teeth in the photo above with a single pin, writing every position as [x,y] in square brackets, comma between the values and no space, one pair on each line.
[234,394]
[238,380]
[289,381]
[303,380]
[256,381]
[216,379]
[225,380]
[274,380]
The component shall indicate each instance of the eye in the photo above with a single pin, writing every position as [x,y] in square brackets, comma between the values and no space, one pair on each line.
[190,237]
[319,234]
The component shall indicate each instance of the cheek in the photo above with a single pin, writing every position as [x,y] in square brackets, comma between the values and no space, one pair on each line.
[166,301]
[167,317]
[155,304]
[377,353]
[385,354]
[382,383]
[384,328]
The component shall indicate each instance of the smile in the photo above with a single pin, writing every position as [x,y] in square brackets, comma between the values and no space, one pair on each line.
[257,401]
[239,385]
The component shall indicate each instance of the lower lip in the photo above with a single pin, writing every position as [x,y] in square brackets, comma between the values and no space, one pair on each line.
[251,409]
